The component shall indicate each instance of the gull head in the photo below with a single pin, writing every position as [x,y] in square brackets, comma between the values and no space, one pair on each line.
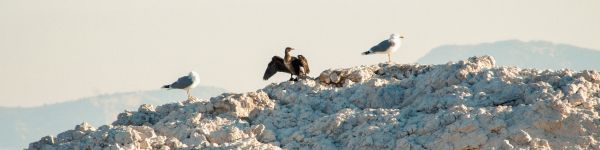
[193,73]
[396,36]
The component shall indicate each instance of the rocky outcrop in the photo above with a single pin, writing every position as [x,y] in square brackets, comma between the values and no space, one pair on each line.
[469,104]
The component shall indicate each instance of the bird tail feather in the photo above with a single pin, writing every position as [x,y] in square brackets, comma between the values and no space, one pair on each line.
[366,53]
[166,87]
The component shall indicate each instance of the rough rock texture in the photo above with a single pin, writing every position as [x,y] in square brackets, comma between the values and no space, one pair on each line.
[469,104]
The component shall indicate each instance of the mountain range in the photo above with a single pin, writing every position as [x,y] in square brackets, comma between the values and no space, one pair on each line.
[532,54]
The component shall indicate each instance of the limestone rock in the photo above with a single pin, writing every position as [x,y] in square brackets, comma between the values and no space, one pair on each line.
[469,104]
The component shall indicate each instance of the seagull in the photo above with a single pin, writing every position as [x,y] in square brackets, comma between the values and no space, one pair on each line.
[186,83]
[386,47]
[293,65]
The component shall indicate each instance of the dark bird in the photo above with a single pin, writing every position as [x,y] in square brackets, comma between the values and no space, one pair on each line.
[185,83]
[293,65]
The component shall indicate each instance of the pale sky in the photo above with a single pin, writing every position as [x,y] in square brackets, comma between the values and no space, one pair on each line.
[59,50]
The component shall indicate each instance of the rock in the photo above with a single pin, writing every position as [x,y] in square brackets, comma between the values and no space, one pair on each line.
[324,77]
[520,137]
[469,104]
[146,108]
[84,127]
[335,77]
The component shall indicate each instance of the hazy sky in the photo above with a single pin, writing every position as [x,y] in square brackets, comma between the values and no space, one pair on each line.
[59,50]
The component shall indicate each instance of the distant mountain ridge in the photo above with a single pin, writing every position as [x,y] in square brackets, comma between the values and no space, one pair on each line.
[21,125]
[532,54]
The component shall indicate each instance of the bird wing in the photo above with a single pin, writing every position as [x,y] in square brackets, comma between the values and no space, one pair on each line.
[382,46]
[276,65]
[182,82]
[304,63]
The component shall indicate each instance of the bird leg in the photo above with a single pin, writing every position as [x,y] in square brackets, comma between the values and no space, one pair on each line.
[302,76]
[389,59]
[291,77]
[188,94]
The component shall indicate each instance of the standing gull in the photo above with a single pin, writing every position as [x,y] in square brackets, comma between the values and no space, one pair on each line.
[386,47]
[289,64]
[186,83]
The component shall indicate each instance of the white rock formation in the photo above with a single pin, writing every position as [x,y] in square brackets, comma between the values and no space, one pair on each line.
[469,104]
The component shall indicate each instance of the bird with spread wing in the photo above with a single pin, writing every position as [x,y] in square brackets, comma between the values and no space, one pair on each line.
[289,64]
